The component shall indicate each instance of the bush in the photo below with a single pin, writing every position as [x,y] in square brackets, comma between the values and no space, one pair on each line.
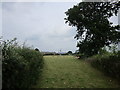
[109,64]
[81,56]
[21,66]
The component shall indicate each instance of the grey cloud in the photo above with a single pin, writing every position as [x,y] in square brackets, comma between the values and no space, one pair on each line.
[39,24]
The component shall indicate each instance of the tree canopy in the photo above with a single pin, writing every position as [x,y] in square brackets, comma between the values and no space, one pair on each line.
[94,30]
[69,52]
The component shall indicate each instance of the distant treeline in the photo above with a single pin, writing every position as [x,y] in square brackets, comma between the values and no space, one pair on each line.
[53,53]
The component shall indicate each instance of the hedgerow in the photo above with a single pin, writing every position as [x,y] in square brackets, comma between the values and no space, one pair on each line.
[108,63]
[21,66]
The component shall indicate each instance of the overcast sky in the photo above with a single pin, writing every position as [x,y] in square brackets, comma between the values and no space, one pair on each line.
[40,24]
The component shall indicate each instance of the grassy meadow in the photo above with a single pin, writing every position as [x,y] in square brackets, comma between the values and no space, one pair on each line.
[70,72]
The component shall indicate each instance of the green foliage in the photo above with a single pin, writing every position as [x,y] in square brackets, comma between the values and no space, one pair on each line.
[21,66]
[103,51]
[113,48]
[94,30]
[108,63]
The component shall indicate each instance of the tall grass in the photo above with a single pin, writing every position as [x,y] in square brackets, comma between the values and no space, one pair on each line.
[21,66]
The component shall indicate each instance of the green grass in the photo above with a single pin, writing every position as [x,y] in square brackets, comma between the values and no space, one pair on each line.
[69,72]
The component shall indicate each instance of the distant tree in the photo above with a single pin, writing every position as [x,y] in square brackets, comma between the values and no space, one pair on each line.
[69,52]
[94,30]
[36,49]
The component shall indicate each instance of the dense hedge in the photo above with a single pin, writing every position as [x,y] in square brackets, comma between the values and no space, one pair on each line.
[109,64]
[21,66]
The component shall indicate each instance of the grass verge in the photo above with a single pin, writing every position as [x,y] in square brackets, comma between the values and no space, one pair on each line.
[69,72]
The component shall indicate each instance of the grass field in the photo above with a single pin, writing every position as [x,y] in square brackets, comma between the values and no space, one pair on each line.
[69,72]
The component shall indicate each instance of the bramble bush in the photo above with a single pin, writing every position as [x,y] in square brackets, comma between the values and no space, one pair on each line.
[21,66]
[108,63]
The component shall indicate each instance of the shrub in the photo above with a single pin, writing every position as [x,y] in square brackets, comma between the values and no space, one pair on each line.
[81,56]
[21,66]
[108,63]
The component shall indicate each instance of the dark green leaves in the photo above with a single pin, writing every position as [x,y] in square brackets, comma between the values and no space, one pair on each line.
[94,30]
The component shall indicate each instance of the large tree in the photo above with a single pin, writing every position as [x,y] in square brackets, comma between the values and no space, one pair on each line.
[94,30]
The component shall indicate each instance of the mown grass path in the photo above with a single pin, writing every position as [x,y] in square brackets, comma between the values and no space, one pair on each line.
[69,72]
